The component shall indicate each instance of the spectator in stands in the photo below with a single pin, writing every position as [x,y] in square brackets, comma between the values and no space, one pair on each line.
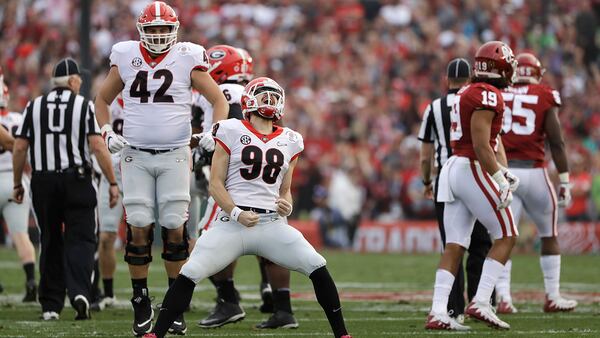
[332,225]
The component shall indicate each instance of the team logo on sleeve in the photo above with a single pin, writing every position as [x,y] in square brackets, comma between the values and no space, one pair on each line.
[245,139]
[292,136]
[136,62]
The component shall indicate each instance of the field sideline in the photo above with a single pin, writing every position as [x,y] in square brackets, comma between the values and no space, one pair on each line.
[383,295]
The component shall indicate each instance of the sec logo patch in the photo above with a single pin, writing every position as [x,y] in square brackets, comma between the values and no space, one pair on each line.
[245,139]
[136,62]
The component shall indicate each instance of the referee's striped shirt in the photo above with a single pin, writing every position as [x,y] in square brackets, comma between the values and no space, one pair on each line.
[436,126]
[57,125]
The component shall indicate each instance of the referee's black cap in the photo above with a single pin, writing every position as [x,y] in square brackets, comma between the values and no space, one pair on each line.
[459,68]
[66,67]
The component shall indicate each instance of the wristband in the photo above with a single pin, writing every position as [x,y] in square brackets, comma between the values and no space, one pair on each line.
[564,178]
[499,178]
[235,213]
[428,182]
[113,184]
[18,186]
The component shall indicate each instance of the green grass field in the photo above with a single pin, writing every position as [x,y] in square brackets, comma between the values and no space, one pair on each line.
[382,295]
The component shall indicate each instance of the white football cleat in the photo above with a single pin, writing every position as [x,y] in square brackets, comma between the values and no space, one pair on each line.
[442,321]
[486,313]
[559,304]
[506,307]
[50,315]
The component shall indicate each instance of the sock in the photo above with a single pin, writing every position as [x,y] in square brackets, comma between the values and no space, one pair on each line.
[263,271]
[489,276]
[176,300]
[281,300]
[328,298]
[140,286]
[108,287]
[226,290]
[213,281]
[441,290]
[503,284]
[551,269]
[29,271]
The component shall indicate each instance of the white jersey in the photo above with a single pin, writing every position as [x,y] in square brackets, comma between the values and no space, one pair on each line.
[10,121]
[232,92]
[257,162]
[157,95]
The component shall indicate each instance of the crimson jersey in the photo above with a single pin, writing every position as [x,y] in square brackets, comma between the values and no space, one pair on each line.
[469,99]
[524,119]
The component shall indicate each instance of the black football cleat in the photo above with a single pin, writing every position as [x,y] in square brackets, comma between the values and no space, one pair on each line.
[142,315]
[30,292]
[223,313]
[279,320]
[82,308]
[178,327]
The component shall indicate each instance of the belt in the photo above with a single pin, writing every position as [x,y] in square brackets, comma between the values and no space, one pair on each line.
[523,164]
[71,170]
[154,151]
[256,210]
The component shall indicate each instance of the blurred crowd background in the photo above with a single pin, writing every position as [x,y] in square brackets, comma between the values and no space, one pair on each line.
[357,74]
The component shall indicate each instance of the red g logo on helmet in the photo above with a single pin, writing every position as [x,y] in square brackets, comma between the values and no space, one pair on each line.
[265,97]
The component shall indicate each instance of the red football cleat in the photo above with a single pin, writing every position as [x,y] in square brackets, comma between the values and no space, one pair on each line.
[559,304]
[444,322]
[485,313]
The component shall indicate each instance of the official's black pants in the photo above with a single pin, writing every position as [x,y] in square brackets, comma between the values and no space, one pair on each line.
[478,250]
[64,206]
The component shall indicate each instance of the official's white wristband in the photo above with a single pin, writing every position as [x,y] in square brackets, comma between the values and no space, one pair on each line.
[499,178]
[235,213]
[564,178]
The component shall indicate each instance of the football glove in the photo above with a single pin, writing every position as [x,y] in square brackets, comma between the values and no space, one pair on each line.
[512,179]
[564,192]
[114,142]
[205,141]
[504,190]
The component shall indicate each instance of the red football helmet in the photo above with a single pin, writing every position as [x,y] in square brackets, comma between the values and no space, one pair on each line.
[249,73]
[495,60]
[227,63]
[265,97]
[155,14]
[529,69]
[4,97]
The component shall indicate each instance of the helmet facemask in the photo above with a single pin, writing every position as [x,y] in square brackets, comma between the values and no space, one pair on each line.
[158,43]
[267,100]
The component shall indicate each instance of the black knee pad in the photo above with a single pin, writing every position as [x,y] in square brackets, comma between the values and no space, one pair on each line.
[174,252]
[139,249]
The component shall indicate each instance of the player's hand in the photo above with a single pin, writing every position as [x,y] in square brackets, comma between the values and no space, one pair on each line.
[18,193]
[513,180]
[428,191]
[113,193]
[248,218]
[205,141]
[564,195]
[114,142]
[504,190]
[283,207]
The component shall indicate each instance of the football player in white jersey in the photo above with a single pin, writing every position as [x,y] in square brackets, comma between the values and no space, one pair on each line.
[109,218]
[15,215]
[251,177]
[156,76]
[232,68]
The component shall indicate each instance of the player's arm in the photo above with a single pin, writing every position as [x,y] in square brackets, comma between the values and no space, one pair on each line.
[501,153]
[556,140]
[111,87]
[481,126]
[284,203]
[207,87]
[216,188]
[6,139]
[20,148]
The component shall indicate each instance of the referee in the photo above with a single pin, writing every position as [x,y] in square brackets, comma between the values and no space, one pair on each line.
[61,130]
[435,129]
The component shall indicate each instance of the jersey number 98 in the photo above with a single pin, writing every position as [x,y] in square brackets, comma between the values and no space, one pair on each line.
[253,156]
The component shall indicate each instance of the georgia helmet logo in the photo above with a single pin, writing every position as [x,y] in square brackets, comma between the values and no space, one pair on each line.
[217,54]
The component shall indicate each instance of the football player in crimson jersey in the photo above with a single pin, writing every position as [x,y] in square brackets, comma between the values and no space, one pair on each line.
[475,186]
[15,215]
[231,68]
[531,117]
[156,76]
[251,177]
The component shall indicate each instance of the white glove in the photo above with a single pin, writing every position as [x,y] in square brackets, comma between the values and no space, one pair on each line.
[114,142]
[504,189]
[512,179]
[564,192]
[205,141]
